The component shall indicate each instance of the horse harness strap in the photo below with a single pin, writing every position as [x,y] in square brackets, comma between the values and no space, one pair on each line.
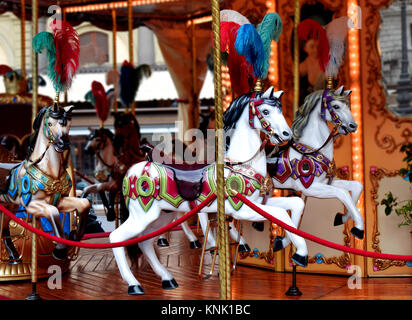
[51,186]
[254,110]
[230,162]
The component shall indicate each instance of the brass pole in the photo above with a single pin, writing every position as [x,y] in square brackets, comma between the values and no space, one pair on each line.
[114,34]
[34,295]
[194,113]
[23,38]
[130,21]
[223,246]
[296,58]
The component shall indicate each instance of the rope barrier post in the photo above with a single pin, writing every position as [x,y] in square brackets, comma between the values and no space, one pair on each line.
[293,289]
[223,243]
[34,295]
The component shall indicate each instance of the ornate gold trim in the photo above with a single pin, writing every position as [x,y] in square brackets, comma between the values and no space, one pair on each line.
[377,174]
[24,98]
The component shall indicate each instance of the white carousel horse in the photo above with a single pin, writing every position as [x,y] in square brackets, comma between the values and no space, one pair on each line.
[307,165]
[151,188]
[41,183]
[109,171]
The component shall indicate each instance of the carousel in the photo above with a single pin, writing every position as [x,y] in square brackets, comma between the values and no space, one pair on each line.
[303,192]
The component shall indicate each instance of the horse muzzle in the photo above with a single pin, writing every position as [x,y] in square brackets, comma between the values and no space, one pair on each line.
[62,144]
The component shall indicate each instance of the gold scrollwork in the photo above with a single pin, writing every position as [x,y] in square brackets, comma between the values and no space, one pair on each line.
[376,174]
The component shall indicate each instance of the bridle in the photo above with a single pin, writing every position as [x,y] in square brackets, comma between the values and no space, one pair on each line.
[100,146]
[254,110]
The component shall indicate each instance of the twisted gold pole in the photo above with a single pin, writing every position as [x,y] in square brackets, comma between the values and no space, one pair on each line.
[114,33]
[130,25]
[296,58]
[223,246]
[23,38]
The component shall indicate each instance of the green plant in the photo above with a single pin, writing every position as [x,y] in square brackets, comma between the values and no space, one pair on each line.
[391,203]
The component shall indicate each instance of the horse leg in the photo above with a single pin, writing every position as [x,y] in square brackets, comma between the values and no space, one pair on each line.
[355,188]
[321,190]
[301,255]
[168,282]
[111,213]
[194,242]
[296,206]
[51,213]
[234,234]
[70,204]
[14,256]
[127,230]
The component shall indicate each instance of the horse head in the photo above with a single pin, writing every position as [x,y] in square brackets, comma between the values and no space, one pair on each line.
[97,140]
[337,103]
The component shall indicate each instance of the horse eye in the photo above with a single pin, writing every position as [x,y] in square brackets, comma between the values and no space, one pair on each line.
[49,124]
[336,107]
[265,112]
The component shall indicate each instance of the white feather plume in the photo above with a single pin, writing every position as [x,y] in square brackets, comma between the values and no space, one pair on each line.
[336,32]
[233,16]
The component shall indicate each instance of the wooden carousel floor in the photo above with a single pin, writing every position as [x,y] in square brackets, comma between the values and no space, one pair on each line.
[94,276]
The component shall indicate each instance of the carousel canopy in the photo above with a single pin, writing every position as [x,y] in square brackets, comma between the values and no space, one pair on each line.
[99,12]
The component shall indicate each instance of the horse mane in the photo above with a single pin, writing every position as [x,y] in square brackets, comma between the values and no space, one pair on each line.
[107,133]
[36,128]
[302,114]
[233,113]
[122,118]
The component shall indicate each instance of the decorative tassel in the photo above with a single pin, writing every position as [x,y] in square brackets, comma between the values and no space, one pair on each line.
[101,103]
[233,16]
[269,29]
[336,32]
[311,29]
[67,43]
[249,44]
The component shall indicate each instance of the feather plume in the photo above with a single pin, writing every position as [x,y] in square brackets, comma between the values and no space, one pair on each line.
[239,68]
[67,45]
[101,104]
[45,41]
[4,69]
[89,97]
[130,79]
[233,16]
[269,29]
[336,32]
[249,44]
[311,29]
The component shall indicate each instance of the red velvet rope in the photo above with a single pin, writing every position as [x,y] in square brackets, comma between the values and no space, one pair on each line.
[323,242]
[114,244]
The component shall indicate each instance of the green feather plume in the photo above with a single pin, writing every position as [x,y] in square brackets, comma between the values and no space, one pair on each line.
[269,29]
[45,40]
[90,98]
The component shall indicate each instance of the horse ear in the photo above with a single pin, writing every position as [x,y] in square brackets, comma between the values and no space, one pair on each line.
[278,94]
[268,93]
[90,129]
[55,107]
[68,109]
[347,93]
[339,91]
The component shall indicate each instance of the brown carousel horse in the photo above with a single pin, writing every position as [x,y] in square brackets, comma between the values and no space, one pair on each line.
[41,183]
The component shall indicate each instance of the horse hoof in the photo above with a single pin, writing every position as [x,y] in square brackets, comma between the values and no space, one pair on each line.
[111,215]
[60,254]
[73,236]
[212,252]
[244,248]
[278,244]
[135,290]
[338,219]
[357,232]
[162,242]
[15,261]
[259,226]
[169,284]
[195,244]
[300,260]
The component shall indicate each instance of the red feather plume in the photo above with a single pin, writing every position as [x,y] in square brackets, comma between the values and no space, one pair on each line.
[67,43]
[239,69]
[102,104]
[4,69]
[311,29]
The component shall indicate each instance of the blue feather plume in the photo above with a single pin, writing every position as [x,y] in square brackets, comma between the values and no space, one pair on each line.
[249,44]
[269,29]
